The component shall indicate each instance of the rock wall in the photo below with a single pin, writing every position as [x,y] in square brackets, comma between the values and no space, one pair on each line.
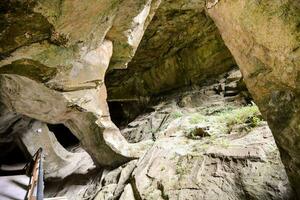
[206,144]
[181,46]
[55,55]
[264,38]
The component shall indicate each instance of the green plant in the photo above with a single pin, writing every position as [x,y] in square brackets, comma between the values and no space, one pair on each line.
[176,114]
[224,143]
[196,133]
[197,118]
[255,121]
[222,119]
[240,116]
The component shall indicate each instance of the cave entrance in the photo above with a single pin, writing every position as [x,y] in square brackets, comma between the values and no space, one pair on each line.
[12,154]
[63,135]
[123,112]
[117,113]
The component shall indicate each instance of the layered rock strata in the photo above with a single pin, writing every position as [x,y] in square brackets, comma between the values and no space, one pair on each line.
[264,38]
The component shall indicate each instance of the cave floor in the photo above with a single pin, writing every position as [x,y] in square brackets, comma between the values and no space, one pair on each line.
[13,187]
[205,143]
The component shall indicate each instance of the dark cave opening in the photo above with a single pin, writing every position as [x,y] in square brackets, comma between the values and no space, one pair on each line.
[64,136]
[12,154]
[117,113]
[123,112]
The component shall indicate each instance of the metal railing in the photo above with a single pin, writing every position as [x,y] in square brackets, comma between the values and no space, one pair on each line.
[34,170]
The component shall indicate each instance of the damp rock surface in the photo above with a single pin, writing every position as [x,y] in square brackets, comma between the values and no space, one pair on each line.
[164,66]
[264,39]
[202,144]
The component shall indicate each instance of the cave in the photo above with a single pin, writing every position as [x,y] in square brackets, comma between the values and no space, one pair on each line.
[117,113]
[14,155]
[64,136]
[152,99]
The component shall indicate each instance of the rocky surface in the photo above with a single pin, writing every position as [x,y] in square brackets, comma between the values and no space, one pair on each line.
[236,169]
[58,162]
[264,38]
[53,65]
[205,144]
[56,58]
[181,46]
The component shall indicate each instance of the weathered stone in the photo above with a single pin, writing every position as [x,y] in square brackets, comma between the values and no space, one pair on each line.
[244,164]
[21,26]
[114,182]
[7,119]
[52,107]
[75,187]
[107,192]
[128,29]
[111,176]
[237,160]
[128,193]
[58,162]
[181,169]
[181,46]
[54,58]
[124,178]
[264,38]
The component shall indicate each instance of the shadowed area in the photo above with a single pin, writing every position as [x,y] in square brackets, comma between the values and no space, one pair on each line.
[13,187]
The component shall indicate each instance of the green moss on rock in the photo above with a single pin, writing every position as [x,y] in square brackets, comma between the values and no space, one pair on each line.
[21,28]
[29,68]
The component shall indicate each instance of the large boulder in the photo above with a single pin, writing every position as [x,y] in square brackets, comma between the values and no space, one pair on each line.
[264,38]
[58,162]
[181,46]
[185,169]
[207,143]
[54,56]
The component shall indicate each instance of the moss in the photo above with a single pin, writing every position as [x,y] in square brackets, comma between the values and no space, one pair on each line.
[29,68]
[181,169]
[21,28]
[255,121]
[55,56]
[197,118]
[196,133]
[221,120]
[176,114]
[240,116]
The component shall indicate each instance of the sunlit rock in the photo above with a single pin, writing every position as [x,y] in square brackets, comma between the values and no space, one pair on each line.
[264,38]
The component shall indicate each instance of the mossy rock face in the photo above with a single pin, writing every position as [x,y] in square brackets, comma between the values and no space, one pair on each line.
[54,54]
[264,38]
[181,46]
[31,69]
[21,27]
[234,170]
[66,43]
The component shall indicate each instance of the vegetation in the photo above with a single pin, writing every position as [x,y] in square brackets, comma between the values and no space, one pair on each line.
[223,120]
[197,118]
[196,133]
[176,114]
[248,114]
